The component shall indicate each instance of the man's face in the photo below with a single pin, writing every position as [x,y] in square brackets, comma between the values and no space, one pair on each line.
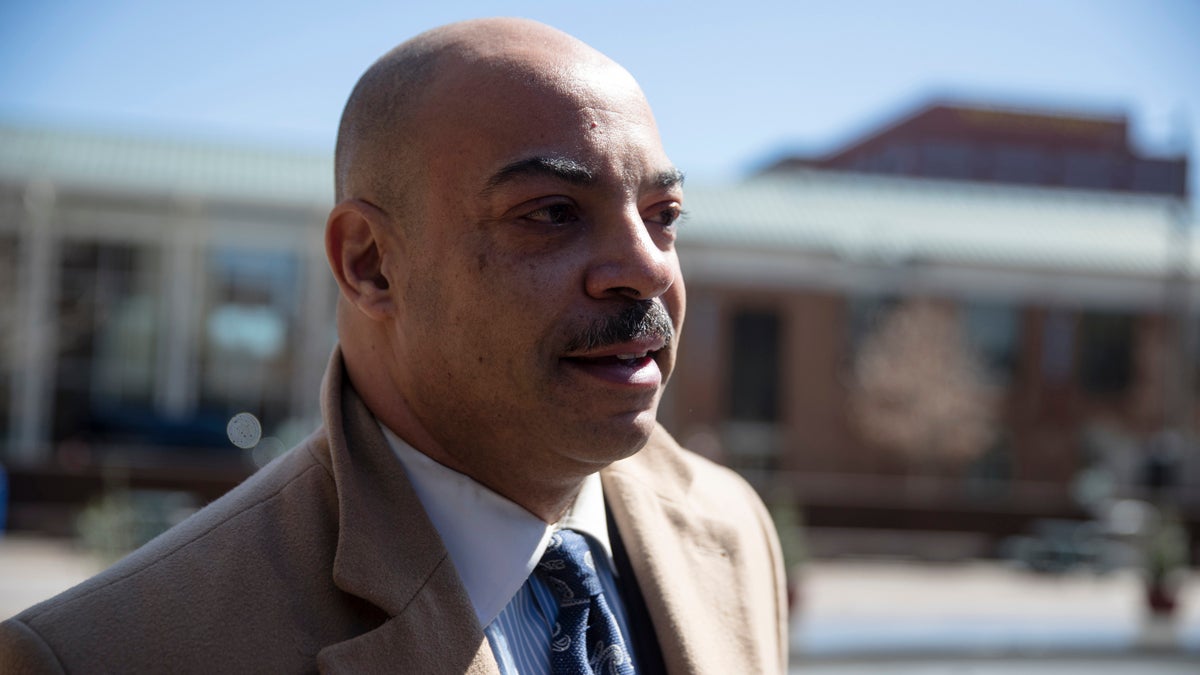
[544,211]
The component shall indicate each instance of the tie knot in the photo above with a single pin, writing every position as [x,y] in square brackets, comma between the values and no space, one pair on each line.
[568,569]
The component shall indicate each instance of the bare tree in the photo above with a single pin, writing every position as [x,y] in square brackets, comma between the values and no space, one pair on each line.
[920,390]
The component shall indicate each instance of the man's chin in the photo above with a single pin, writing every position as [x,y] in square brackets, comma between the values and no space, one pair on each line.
[618,439]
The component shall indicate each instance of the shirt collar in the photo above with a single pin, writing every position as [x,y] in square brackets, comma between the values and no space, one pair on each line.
[494,543]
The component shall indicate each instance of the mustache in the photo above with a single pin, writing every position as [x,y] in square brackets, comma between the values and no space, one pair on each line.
[636,321]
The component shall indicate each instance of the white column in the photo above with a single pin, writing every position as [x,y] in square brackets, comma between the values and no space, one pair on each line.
[176,387]
[37,342]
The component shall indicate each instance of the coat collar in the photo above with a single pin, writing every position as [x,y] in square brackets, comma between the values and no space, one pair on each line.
[390,555]
[691,570]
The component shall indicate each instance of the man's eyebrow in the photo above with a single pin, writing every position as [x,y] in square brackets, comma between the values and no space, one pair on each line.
[668,178]
[555,167]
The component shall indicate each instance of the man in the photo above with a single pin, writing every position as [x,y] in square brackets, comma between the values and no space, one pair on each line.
[510,304]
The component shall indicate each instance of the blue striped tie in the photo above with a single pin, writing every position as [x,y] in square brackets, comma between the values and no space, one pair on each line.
[586,638]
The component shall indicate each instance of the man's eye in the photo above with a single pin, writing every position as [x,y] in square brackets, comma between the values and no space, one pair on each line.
[667,215]
[554,214]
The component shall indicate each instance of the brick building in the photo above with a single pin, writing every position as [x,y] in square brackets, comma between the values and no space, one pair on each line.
[1001,145]
[961,321]
[887,347]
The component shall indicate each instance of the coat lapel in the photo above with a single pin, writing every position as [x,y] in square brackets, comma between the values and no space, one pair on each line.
[689,582]
[390,555]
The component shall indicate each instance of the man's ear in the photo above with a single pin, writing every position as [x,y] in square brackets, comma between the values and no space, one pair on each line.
[358,234]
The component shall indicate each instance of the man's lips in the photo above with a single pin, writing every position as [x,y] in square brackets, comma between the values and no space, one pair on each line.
[629,363]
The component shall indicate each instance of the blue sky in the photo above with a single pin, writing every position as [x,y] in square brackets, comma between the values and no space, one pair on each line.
[731,83]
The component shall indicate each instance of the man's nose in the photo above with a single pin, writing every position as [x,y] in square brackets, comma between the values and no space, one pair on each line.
[633,260]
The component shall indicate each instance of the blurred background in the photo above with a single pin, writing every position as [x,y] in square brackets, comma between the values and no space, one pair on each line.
[940,263]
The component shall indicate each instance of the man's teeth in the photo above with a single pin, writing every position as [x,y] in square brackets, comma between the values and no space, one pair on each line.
[630,357]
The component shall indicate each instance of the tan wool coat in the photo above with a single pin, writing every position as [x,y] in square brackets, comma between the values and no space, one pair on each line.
[324,560]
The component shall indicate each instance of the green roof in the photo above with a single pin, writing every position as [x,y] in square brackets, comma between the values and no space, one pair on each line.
[839,215]
[886,219]
[165,167]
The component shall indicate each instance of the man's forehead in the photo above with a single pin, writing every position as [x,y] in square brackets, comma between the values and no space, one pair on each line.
[576,125]
[531,83]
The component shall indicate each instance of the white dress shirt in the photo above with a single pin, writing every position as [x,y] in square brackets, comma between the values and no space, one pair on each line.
[495,546]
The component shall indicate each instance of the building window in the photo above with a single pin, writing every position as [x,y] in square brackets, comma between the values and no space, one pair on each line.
[898,157]
[865,314]
[1089,170]
[107,337]
[1019,164]
[1106,352]
[9,325]
[946,159]
[251,308]
[1158,176]
[1058,347]
[754,367]
[1192,338]
[993,332]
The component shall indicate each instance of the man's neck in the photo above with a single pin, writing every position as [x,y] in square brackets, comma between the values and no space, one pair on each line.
[547,496]
[534,484]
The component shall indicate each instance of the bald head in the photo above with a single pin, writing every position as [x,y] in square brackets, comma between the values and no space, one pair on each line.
[375,158]
[503,191]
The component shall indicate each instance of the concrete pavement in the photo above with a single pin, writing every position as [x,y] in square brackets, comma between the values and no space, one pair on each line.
[854,607]
[34,568]
[970,618]
[1124,664]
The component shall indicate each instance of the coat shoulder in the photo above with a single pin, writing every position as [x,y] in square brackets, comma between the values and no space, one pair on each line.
[252,565]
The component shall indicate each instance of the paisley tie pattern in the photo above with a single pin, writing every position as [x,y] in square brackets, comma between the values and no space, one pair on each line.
[585,639]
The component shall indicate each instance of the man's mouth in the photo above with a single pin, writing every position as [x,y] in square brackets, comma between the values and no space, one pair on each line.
[622,349]
[629,367]
[632,360]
